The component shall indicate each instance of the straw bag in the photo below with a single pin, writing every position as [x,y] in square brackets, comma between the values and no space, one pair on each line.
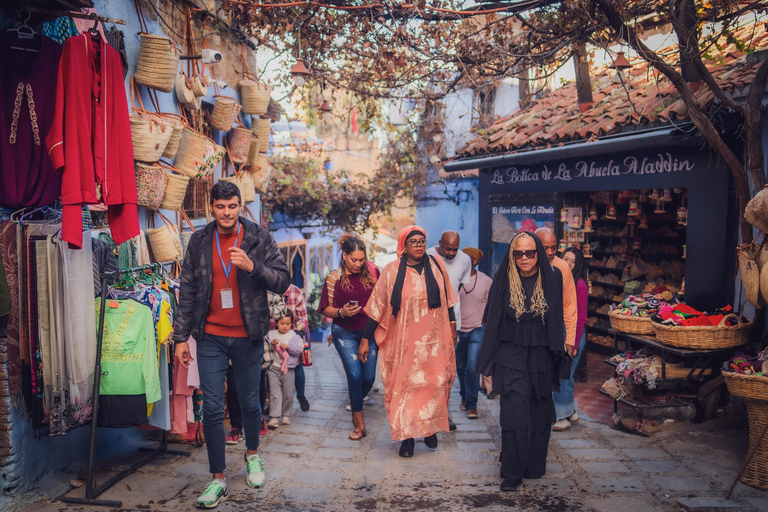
[183,90]
[173,142]
[149,136]
[175,191]
[748,256]
[254,97]
[253,152]
[262,127]
[198,155]
[224,114]
[756,212]
[150,185]
[239,144]
[196,202]
[199,87]
[249,195]
[158,63]
[260,174]
[764,281]
[165,242]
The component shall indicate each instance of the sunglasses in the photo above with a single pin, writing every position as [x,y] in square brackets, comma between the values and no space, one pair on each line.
[528,254]
[417,243]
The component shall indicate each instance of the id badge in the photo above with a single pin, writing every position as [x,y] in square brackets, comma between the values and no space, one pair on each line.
[226,299]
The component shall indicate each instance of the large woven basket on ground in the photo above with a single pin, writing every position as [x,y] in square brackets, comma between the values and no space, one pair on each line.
[754,391]
[631,324]
[254,97]
[150,185]
[224,114]
[703,338]
[175,191]
[150,136]
[239,144]
[158,63]
[262,128]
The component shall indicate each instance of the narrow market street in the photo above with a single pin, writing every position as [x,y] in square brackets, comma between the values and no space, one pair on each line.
[311,465]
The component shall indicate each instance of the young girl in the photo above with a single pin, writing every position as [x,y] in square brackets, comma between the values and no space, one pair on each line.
[280,371]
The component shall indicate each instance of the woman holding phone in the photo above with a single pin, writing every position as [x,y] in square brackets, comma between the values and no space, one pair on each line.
[345,291]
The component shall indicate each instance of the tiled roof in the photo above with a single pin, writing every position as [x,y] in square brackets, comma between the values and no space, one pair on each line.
[555,118]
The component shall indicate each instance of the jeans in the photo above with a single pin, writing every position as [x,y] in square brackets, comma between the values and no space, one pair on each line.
[565,404]
[300,379]
[360,376]
[467,350]
[213,356]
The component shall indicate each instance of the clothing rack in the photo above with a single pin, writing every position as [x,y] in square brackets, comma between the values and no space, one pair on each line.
[81,15]
[91,491]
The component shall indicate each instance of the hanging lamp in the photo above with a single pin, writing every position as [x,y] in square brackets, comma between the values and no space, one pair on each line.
[299,72]
[325,110]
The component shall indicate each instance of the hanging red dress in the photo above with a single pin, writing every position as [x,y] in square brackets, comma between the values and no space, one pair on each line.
[90,139]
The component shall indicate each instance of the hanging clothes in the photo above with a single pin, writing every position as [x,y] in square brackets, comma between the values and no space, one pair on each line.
[90,139]
[60,29]
[10,259]
[27,105]
[116,40]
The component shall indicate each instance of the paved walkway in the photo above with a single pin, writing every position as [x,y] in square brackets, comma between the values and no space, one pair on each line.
[312,466]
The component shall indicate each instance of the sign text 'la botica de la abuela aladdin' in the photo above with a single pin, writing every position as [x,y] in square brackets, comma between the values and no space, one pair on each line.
[584,169]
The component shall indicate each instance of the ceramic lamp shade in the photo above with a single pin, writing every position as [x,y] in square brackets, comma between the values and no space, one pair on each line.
[634,208]
[588,225]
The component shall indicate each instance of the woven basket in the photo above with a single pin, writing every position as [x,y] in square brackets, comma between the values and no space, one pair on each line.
[703,338]
[260,173]
[158,63]
[190,157]
[183,89]
[199,87]
[249,192]
[224,114]
[756,212]
[150,185]
[237,181]
[262,128]
[149,136]
[749,256]
[631,324]
[173,142]
[754,391]
[239,144]
[165,243]
[253,153]
[196,202]
[254,97]
[175,191]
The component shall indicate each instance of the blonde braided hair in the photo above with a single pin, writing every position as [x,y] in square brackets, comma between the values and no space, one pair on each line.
[516,291]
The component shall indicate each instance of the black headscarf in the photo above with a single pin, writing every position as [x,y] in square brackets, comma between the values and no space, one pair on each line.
[433,289]
[580,270]
[552,284]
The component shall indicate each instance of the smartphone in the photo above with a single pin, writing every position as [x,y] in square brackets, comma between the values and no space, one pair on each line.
[353,303]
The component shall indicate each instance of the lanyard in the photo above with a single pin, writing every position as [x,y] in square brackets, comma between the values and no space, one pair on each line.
[227,269]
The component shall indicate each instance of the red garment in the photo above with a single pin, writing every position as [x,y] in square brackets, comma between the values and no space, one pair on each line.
[225,322]
[582,296]
[90,139]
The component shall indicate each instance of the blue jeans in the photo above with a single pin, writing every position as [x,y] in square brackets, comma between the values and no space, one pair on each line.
[301,379]
[213,357]
[565,404]
[467,350]
[360,376]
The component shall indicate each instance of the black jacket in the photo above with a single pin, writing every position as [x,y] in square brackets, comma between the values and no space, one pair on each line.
[269,273]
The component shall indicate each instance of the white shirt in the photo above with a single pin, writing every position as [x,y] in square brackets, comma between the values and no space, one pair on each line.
[459,272]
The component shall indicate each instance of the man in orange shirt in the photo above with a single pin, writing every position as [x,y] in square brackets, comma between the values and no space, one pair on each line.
[570,313]
[229,266]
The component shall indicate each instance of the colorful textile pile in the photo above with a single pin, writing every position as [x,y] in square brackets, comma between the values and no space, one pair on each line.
[745,365]
[644,305]
[686,316]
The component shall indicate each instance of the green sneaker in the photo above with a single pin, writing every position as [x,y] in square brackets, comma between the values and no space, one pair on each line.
[215,492]
[256,477]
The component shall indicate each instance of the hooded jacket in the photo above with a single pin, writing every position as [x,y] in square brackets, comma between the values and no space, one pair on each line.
[269,273]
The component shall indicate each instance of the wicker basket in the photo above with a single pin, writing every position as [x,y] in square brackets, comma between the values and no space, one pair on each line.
[175,191]
[754,391]
[199,87]
[165,243]
[158,63]
[224,114]
[239,144]
[249,192]
[253,153]
[703,338]
[262,128]
[260,173]
[632,324]
[254,97]
[190,156]
[149,136]
[150,185]
[183,90]
[173,142]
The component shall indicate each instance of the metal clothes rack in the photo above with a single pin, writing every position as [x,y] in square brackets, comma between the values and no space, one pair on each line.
[91,492]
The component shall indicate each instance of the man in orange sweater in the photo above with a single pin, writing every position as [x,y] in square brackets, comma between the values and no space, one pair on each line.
[570,313]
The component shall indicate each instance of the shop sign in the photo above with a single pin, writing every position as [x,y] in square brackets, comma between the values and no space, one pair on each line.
[586,169]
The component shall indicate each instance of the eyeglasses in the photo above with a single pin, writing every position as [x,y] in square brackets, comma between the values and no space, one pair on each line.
[417,243]
[528,254]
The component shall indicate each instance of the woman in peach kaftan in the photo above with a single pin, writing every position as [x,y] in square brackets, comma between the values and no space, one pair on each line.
[411,309]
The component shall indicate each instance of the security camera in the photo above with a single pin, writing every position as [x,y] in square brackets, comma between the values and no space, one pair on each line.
[211,56]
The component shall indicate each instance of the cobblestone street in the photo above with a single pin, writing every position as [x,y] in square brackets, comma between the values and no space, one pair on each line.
[311,465]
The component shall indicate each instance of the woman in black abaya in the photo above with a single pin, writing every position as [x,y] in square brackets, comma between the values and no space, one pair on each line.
[523,345]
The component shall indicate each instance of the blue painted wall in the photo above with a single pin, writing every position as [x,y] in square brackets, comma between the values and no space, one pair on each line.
[438,215]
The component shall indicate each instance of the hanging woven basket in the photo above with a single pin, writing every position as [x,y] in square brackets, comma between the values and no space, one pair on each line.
[239,144]
[253,152]
[165,242]
[173,143]
[748,257]
[262,128]
[149,136]
[158,63]
[254,97]
[183,89]
[224,114]
[150,185]
[199,87]
[175,191]
[260,173]
[191,155]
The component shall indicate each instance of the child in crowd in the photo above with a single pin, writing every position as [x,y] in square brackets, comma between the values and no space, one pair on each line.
[281,369]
